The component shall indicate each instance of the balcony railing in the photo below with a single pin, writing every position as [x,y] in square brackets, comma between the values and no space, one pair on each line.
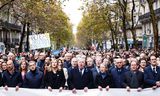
[146,17]
[10,26]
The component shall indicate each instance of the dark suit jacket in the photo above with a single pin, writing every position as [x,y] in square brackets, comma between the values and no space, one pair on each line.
[54,80]
[69,69]
[128,78]
[118,77]
[104,82]
[95,73]
[75,80]
[12,80]
[149,78]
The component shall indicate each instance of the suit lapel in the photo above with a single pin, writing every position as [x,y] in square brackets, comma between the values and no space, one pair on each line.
[151,72]
[78,73]
[84,72]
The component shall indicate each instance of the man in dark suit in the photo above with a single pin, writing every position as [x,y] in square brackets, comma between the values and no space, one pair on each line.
[96,70]
[81,77]
[133,78]
[152,74]
[118,73]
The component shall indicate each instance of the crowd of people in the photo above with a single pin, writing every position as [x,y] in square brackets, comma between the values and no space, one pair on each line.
[81,69]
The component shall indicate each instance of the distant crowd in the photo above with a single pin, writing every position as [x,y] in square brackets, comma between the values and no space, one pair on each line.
[82,69]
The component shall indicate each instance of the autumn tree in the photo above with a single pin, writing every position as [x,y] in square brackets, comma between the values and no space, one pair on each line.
[40,16]
[92,27]
[123,6]
[107,19]
[154,22]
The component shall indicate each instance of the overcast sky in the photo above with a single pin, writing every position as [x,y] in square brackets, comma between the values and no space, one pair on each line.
[72,10]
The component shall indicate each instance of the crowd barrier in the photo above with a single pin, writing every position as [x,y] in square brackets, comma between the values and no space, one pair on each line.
[90,92]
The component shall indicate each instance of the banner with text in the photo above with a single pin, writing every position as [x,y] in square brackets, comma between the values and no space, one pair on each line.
[90,92]
[39,41]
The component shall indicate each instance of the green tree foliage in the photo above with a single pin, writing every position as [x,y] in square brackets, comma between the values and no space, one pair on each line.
[43,16]
[92,27]
[101,21]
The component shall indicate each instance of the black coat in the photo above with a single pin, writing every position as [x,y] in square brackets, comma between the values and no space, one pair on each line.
[33,79]
[149,78]
[54,80]
[104,82]
[95,73]
[118,77]
[75,80]
[12,80]
[128,78]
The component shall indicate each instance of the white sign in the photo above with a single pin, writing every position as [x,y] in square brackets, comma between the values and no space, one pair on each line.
[39,41]
[109,45]
[91,92]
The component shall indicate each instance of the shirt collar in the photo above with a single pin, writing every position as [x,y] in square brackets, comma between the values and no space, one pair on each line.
[81,70]
[153,67]
[97,69]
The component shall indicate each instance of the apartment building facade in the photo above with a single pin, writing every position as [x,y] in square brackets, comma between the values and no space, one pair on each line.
[10,29]
[147,29]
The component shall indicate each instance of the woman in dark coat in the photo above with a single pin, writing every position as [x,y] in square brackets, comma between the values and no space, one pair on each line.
[54,79]
[104,78]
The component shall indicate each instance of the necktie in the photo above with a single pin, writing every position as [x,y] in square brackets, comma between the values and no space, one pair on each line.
[154,70]
[80,71]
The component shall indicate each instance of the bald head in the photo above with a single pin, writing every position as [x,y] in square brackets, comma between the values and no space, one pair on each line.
[10,65]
